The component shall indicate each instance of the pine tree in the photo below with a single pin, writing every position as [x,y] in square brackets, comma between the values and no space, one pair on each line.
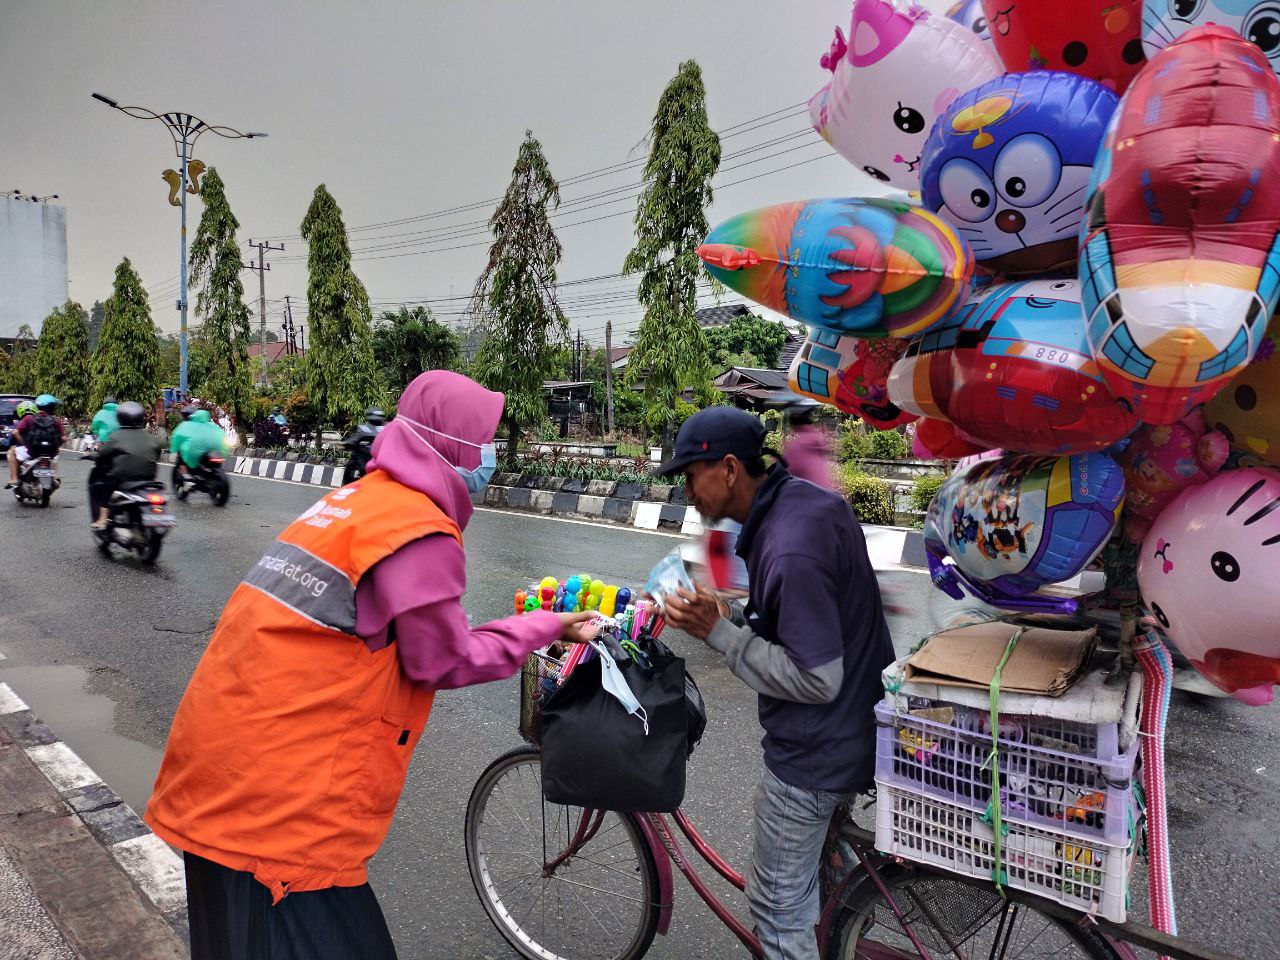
[342,376]
[515,297]
[21,375]
[670,350]
[126,363]
[97,313]
[62,358]
[226,377]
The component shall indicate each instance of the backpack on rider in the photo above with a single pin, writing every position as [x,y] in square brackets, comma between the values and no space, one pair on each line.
[42,438]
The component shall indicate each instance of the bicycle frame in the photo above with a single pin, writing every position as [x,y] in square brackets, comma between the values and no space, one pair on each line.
[666,850]
[662,843]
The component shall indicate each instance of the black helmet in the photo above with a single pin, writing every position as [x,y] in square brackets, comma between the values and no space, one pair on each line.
[188,410]
[108,400]
[375,416]
[131,414]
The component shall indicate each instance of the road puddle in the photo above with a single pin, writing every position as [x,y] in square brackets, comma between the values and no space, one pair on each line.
[85,721]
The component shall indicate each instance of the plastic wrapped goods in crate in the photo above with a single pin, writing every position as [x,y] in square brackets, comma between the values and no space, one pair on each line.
[1056,773]
[1087,874]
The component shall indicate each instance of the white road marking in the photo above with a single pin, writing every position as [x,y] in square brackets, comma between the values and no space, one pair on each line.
[618,528]
[10,702]
[61,766]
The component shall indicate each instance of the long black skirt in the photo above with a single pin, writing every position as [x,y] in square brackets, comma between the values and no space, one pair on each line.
[232,919]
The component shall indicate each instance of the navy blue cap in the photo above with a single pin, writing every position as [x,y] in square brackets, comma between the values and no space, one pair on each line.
[715,433]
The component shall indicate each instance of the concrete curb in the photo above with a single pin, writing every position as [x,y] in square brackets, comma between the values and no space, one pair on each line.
[77,800]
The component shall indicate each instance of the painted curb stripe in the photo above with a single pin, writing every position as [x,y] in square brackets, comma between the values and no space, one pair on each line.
[10,702]
[61,766]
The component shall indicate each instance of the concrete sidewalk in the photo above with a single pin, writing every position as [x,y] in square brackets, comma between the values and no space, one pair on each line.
[81,876]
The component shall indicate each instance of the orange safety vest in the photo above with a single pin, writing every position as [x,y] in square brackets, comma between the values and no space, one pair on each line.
[288,752]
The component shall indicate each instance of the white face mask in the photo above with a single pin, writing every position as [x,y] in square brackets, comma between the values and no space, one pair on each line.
[615,684]
[477,478]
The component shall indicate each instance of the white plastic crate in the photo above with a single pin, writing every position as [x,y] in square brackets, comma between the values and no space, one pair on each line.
[1083,873]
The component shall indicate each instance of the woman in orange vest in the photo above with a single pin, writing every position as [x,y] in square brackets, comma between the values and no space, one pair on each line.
[289,750]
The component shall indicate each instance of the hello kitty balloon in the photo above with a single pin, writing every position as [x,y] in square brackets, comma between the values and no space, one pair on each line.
[891,78]
[1207,572]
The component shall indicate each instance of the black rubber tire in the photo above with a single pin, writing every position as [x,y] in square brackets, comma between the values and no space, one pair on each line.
[221,491]
[104,545]
[149,553]
[44,497]
[863,892]
[175,481]
[648,926]
[351,473]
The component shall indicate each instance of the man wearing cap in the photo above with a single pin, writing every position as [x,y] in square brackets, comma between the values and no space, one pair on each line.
[811,642]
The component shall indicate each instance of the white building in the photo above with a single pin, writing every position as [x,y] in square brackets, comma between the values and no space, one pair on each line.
[33,263]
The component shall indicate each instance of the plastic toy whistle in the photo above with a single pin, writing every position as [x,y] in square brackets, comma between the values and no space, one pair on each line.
[521,596]
[609,601]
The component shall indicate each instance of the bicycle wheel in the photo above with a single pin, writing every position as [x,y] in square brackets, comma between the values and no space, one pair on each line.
[599,904]
[952,917]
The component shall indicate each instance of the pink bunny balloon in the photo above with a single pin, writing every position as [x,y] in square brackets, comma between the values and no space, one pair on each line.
[1207,573]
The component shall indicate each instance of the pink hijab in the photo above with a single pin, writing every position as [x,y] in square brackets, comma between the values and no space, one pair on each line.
[455,405]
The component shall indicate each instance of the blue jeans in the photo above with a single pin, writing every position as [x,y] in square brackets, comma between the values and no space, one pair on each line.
[782,888]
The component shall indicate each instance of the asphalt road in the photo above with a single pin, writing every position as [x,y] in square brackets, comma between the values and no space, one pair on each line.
[103,649]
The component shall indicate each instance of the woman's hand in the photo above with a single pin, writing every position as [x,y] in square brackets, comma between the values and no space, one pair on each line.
[578,627]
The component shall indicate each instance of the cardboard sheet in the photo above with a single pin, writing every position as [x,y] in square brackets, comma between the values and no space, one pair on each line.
[1044,661]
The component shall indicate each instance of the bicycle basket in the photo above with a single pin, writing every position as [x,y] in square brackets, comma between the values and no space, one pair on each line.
[538,678]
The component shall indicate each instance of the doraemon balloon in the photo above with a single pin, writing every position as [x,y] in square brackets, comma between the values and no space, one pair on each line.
[969,13]
[896,72]
[1008,164]
[1208,574]
[1014,524]
[1098,39]
[1012,368]
[1180,252]
[1258,21]
[872,268]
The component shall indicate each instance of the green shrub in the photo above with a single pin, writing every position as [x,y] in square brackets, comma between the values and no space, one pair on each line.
[852,443]
[870,497]
[924,490]
[887,445]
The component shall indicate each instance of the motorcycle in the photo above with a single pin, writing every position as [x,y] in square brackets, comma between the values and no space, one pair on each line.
[206,477]
[137,519]
[360,443]
[37,479]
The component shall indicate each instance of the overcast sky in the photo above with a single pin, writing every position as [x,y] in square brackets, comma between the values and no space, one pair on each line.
[403,110]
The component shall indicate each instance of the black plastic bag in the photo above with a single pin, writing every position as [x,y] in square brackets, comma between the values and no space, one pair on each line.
[694,704]
[595,754]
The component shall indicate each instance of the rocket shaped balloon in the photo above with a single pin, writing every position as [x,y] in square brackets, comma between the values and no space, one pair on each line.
[1180,255]
[868,268]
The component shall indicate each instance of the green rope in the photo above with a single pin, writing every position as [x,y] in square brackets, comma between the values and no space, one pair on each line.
[993,814]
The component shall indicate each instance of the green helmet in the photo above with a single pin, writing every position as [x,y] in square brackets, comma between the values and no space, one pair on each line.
[26,407]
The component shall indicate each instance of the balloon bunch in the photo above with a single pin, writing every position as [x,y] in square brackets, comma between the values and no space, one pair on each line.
[1077,270]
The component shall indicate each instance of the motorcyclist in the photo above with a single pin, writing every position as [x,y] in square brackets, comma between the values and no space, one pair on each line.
[104,421]
[360,443]
[37,433]
[130,454]
[194,437]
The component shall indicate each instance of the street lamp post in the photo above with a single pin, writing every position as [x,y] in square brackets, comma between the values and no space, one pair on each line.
[185,130]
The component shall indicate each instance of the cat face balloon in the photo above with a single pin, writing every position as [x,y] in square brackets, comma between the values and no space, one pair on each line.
[1008,164]
[1163,21]
[1207,573]
[896,72]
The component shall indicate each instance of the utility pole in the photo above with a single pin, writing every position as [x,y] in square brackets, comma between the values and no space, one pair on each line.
[262,269]
[608,375]
[288,313]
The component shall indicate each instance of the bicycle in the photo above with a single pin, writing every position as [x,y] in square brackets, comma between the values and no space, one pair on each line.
[569,883]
